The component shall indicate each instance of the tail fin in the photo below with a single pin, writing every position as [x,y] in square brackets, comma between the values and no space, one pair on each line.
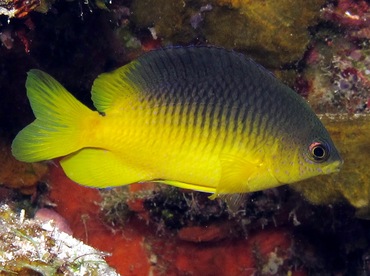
[60,119]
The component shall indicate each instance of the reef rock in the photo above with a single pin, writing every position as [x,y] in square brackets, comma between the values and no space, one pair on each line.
[272,32]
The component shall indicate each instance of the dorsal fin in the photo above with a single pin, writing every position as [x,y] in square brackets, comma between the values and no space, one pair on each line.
[111,90]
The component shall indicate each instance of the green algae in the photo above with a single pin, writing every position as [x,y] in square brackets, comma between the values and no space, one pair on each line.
[351,136]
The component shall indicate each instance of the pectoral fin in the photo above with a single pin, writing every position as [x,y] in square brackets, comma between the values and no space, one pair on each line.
[239,175]
[234,201]
[236,172]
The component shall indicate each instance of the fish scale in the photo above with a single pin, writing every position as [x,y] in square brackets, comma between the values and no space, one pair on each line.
[200,118]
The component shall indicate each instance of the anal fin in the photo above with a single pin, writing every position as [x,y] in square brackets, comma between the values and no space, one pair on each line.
[99,168]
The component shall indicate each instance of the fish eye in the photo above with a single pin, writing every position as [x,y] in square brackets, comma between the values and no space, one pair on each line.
[319,151]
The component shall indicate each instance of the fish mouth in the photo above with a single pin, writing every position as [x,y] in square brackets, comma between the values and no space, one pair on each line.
[333,167]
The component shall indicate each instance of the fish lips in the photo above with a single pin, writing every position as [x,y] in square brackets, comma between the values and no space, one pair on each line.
[333,167]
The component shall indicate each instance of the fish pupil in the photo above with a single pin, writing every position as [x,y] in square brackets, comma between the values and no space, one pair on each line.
[319,151]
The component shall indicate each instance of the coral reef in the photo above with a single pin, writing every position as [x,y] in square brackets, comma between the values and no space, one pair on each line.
[17,8]
[335,79]
[168,20]
[171,231]
[61,42]
[273,33]
[18,175]
[29,247]
[81,208]
[150,229]
[348,13]
[46,214]
[335,75]
[149,241]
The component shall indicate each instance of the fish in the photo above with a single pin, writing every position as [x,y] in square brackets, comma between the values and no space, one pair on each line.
[200,118]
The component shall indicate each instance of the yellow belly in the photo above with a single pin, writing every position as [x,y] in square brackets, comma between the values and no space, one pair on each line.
[165,152]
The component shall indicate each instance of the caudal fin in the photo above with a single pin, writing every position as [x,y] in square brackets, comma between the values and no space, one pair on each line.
[60,119]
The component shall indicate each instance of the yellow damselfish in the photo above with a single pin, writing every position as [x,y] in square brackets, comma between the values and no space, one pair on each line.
[199,118]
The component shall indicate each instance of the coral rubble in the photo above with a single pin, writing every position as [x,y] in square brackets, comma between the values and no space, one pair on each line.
[30,247]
